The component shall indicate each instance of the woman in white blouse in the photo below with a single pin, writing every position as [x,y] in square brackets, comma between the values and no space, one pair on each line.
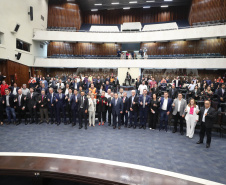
[92,110]
[191,117]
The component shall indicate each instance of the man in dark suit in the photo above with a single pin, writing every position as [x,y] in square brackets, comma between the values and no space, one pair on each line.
[76,85]
[60,106]
[165,108]
[74,106]
[144,102]
[173,93]
[155,90]
[117,108]
[125,111]
[177,83]
[52,105]
[42,87]
[8,102]
[107,86]
[207,115]
[222,97]
[133,109]
[110,108]
[68,105]
[42,102]
[31,104]
[20,101]
[83,109]
[14,89]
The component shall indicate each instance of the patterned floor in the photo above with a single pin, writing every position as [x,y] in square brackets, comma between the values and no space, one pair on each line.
[162,150]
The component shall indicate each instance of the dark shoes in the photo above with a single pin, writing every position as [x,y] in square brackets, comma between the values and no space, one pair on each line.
[199,142]
[207,145]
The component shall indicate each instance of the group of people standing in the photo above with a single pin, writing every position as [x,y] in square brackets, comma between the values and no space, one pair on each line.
[73,102]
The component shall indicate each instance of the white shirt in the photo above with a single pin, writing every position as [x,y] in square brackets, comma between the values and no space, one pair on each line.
[164,105]
[192,87]
[66,91]
[203,118]
[179,103]
[14,91]
[142,88]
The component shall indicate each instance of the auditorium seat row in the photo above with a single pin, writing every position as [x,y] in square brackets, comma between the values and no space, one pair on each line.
[203,55]
[209,23]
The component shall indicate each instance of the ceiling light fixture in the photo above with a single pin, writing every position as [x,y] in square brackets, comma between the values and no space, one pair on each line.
[164,6]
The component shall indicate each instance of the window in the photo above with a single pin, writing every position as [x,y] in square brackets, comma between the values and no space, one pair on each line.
[22,45]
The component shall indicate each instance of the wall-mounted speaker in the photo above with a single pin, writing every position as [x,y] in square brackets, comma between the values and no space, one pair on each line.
[31,13]
[16,28]
[18,56]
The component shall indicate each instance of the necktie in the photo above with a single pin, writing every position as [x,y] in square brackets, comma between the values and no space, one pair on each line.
[115,102]
[144,101]
[31,95]
[60,96]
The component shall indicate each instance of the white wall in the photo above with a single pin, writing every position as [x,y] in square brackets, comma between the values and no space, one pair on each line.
[126,37]
[201,63]
[16,11]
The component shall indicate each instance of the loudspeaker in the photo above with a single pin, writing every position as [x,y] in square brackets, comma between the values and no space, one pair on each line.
[31,13]
[16,28]
[18,56]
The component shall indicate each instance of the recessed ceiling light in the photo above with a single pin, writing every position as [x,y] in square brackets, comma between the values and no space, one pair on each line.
[150,1]
[94,10]
[126,8]
[133,2]
[164,6]
[168,0]
[147,7]
[98,4]
[115,3]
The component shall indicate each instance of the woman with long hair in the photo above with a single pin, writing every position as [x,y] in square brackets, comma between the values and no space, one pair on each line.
[191,117]
[154,107]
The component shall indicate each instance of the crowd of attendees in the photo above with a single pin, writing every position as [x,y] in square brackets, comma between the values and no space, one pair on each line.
[82,98]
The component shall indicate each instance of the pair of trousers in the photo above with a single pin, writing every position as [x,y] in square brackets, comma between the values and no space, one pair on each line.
[115,116]
[82,115]
[33,114]
[124,118]
[153,120]
[91,117]
[204,131]
[190,125]
[10,111]
[21,114]
[133,118]
[143,116]
[176,117]
[102,115]
[59,110]
[44,111]
[74,115]
[163,119]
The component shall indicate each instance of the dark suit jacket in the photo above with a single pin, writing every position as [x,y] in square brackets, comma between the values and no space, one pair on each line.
[85,105]
[171,95]
[11,100]
[100,107]
[169,104]
[12,88]
[209,119]
[155,91]
[31,102]
[125,104]
[220,94]
[23,101]
[135,106]
[148,101]
[116,109]
[53,99]
[44,102]
[74,105]
[61,102]
[109,102]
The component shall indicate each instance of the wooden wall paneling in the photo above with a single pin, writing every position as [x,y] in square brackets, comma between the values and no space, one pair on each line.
[151,15]
[211,10]
[62,14]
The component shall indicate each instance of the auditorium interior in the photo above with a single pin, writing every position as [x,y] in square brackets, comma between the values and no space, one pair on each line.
[112,92]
